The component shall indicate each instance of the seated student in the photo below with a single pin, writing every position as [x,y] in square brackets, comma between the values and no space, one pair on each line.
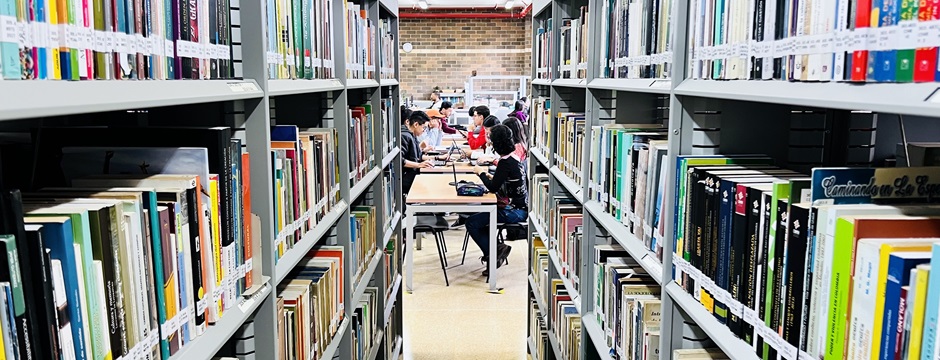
[412,159]
[433,136]
[518,138]
[476,136]
[447,109]
[405,114]
[512,193]
[488,154]
[519,111]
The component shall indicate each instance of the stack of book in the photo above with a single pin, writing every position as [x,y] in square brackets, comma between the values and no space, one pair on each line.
[638,43]
[841,260]
[116,40]
[360,37]
[389,49]
[543,50]
[847,40]
[627,304]
[570,132]
[300,39]
[310,305]
[305,175]
[626,177]
[361,155]
[143,253]
[574,46]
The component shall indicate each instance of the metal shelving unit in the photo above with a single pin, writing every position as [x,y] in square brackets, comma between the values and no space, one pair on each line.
[751,107]
[251,104]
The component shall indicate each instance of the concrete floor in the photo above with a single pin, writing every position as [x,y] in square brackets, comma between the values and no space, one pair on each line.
[464,321]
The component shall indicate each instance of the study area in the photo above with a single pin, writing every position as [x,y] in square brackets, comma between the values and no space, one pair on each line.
[469,179]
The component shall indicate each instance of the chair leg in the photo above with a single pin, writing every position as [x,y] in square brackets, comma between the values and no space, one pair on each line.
[440,253]
[466,240]
[439,236]
[443,242]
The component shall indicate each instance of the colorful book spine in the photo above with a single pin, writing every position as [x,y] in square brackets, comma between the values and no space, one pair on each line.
[929,349]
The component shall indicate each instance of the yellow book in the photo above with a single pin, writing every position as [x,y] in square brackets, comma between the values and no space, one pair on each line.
[55,70]
[3,351]
[920,308]
[216,238]
[886,250]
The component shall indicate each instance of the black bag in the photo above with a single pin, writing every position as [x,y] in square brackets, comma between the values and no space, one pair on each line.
[517,233]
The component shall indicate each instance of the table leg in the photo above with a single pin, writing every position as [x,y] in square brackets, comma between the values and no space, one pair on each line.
[493,260]
[409,249]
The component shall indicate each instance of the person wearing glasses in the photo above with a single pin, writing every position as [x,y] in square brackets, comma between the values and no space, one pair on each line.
[412,156]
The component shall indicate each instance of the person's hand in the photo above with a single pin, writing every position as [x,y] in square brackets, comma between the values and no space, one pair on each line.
[484,159]
[426,164]
[423,145]
[480,169]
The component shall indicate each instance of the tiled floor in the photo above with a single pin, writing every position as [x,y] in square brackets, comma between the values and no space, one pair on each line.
[464,321]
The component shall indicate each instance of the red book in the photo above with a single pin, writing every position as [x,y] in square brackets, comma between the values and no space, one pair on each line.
[925,59]
[860,58]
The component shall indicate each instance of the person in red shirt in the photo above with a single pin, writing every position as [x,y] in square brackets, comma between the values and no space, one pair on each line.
[476,136]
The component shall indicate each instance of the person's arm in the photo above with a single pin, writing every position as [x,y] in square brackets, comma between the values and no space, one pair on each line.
[446,128]
[499,176]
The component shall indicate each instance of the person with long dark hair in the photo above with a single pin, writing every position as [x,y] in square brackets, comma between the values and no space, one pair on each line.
[509,184]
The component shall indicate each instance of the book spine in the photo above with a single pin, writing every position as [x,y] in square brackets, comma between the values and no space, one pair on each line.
[929,349]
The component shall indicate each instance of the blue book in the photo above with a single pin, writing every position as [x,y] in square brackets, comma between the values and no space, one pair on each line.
[929,344]
[899,274]
[57,234]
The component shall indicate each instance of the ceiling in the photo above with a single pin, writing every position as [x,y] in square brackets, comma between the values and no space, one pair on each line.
[443,4]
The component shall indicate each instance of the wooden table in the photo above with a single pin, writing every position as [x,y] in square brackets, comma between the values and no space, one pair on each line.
[432,193]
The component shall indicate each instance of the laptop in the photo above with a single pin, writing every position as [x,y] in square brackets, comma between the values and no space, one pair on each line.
[446,159]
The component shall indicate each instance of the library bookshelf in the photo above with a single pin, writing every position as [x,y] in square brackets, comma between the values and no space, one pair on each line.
[350,93]
[585,86]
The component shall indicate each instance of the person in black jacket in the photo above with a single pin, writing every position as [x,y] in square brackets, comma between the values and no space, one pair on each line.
[509,184]
[412,156]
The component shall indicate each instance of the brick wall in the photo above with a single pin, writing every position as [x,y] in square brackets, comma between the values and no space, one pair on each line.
[447,51]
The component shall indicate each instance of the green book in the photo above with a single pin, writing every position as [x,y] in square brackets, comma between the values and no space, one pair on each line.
[905,57]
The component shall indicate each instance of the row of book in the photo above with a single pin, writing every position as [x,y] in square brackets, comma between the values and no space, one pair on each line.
[561,218]
[538,330]
[155,243]
[543,50]
[116,39]
[541,125]
[573,46]
[360,39]
[626,306]
[627,177]
[569,154]
[310,304]
[361,150]
[300,39]
[839,261]
[305,175]
[565,317]
[638,41]
[846,40]
[389,46]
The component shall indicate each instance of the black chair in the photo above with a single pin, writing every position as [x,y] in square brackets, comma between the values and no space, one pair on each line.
[500,227]
[436,225]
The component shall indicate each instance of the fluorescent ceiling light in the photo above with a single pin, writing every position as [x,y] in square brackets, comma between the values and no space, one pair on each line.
[423,4]
[509,4]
